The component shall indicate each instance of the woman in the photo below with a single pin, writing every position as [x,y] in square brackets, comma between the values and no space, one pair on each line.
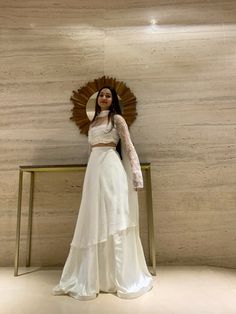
[106,253]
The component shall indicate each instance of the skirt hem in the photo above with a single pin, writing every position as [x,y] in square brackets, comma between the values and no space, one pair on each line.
[105,239]
[133,295]
[129,295]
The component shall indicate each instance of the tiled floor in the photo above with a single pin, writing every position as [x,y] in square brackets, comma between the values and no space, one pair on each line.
[177,290]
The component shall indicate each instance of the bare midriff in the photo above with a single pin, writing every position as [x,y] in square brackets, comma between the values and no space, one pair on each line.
[104,144]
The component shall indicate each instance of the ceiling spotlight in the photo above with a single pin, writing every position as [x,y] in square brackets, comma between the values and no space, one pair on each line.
[153,22]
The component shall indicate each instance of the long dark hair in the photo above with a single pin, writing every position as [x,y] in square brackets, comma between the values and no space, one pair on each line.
[113,109]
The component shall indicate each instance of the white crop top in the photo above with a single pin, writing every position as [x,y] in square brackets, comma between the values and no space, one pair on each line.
[104,134]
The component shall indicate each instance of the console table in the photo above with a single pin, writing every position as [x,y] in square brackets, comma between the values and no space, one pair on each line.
[146,167]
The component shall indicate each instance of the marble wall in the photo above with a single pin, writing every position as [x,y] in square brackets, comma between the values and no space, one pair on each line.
[182,71]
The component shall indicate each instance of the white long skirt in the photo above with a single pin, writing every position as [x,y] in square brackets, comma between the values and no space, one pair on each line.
[106,252]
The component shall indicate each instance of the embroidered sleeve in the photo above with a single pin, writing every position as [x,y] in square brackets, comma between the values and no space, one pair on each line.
[89,145]
[89,149]
[124,135]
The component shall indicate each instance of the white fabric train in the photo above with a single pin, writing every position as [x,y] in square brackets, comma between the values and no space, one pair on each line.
[106,253]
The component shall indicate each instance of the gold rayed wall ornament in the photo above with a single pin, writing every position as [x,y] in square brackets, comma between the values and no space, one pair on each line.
[82,96]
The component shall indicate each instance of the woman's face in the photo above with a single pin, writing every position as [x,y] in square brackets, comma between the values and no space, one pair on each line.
[105,99]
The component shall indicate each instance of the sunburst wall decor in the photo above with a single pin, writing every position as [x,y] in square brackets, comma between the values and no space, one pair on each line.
[81,97]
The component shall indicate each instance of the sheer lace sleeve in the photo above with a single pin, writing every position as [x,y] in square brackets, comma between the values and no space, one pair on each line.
[124,135]
[89,145]
[89,149]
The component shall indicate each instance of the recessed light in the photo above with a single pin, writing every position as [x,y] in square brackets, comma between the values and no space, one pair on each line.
[153,21]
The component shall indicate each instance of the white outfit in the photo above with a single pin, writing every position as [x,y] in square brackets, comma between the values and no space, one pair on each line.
[106,252]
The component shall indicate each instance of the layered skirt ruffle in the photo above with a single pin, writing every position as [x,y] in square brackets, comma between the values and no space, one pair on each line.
[106,252]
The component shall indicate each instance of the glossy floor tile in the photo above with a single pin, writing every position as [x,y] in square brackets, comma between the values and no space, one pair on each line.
[177,290]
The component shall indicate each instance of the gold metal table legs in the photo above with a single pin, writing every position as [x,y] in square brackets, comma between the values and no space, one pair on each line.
[151,235]
[32,169]
[29,232]
[18,225]
[30,216]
